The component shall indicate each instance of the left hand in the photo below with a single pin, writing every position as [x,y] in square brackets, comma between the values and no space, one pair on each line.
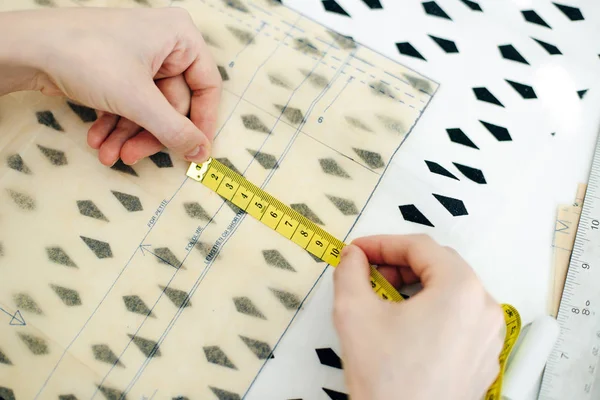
[143,69]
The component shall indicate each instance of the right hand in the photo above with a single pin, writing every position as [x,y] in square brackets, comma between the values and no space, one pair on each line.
[442,343]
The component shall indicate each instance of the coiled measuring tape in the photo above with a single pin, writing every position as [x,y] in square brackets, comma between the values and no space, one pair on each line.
[296,227]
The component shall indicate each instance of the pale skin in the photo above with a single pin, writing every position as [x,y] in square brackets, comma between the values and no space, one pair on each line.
[154,83]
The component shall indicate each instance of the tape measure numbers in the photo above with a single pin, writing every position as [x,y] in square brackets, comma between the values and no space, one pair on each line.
[296,227]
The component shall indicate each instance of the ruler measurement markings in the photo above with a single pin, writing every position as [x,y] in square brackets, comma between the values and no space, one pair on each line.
[305,233]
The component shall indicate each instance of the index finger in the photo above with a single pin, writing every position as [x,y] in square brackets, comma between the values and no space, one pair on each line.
[205,83]
[426,258]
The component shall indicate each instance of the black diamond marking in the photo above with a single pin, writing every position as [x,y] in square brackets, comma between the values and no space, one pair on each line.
[346,207]
[15,162]
[305,45]
[136,305]
[47,118]
[275,259]
[289,300]
[474,174]
[166,256]
[407,49]
[345,42]
[331,167]
[392,124]
[525,91]
[228,164]
[244,305]
[58,255]
[432,8]
[26,302]
[260,349]
[236,4]
[483,94]
[307,212]
[581,93]
[103,353]
[418,83]
[254,123]
[293,115]
[23,201]
[35,344]
[100,249]
[458,136]
[112,394]
[373,4]
[573,13]
[550,48]
[333,395]
[224,394]
[334,7]
[438,169]
[328,357]
[534,18]
[472,5]
[204,248]
[177,297]
[215,355]
[317,259]
[68,296]
[243,36]
[6,393]
[89,209]
[146,346]
[357,123]
[223,72]
[412,214]
[122,167]
[315,79]
[509,52]
[4,359]
[130,202]
[84,113]
[195,210]
[455,207]
[234,208]
[447,45]
[267,161]
[162,160]
[67,397]
[372,159]
[279,81]
[56,157]
[500,133]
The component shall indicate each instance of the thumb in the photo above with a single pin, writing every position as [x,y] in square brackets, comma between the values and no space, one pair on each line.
[150,109]
[351,276]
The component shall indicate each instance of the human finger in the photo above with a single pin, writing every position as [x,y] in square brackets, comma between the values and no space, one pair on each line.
[427,259]
[150,109]
[144,144]
[100,129]
[204,80]
[111,148]
[351,276]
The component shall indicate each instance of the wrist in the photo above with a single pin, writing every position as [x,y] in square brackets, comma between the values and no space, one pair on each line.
[20,55]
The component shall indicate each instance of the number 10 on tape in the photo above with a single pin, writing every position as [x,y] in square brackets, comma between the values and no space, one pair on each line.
[280,218]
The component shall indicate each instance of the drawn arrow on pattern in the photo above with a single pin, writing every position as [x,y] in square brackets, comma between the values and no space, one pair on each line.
[16,318]
[144,249]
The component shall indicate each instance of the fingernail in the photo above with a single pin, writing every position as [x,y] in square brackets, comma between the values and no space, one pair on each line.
[345,250]
[196,155]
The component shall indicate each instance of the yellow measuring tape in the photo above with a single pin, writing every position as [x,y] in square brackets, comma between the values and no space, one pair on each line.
[308,235]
